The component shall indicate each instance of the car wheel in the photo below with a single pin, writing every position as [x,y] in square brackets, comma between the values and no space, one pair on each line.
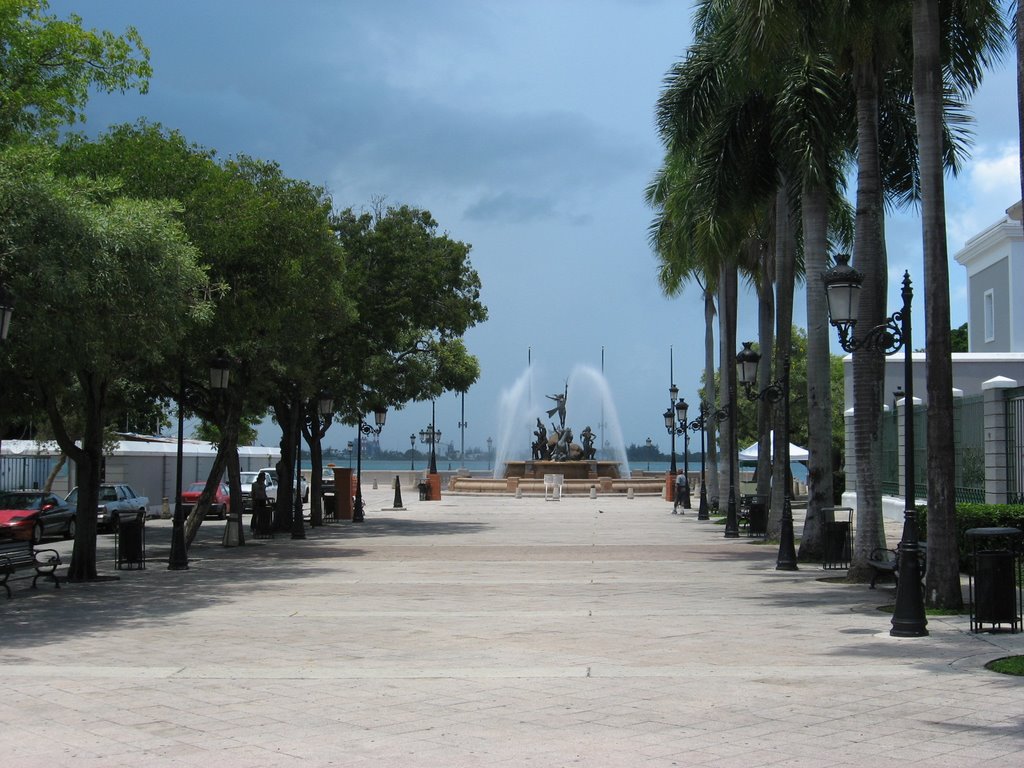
[222,512]
[37,533]
[113,523]
[72,527]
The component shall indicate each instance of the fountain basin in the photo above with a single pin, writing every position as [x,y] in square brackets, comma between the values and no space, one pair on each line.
[570,470]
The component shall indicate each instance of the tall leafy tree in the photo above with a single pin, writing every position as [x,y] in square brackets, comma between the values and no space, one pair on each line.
[48,66]
[114,284]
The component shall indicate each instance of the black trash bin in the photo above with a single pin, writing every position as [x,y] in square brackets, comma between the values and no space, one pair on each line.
[838,544]
[262,522]
[757,516]
[330,505]
[130,541]
[424,491]
[995,588]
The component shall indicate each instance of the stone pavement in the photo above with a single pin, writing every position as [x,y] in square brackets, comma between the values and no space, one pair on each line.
[492,632]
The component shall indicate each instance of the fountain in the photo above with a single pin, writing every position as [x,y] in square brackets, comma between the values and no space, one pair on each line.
[530,447]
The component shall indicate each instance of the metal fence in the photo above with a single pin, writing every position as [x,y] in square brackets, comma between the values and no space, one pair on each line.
[17,472]
[1015,446]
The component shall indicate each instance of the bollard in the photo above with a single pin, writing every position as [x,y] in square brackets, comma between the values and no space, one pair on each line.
[375,483]
[398,494]
[165,509]
[593,491]
[519,492]
[629,492]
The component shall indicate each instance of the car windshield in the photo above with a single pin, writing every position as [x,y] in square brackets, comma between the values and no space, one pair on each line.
[196,487]
[21,500]
[248,477]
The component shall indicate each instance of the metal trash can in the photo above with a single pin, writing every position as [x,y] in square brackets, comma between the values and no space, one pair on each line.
[424,490]
[330,505]
[262,523]
[757,516]
[130,542]
[995,579]
[838,544]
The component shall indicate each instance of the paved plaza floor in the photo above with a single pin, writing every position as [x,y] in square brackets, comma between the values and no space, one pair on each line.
[492,632]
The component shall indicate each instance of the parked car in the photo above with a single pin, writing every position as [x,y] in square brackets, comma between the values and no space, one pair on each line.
[272,474]
[114,499]
[34,515]
[218,507]
[248,478]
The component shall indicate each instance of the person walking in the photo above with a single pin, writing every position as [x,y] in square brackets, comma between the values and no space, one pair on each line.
[260,509]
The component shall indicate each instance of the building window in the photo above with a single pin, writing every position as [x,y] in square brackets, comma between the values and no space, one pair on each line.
[990,316]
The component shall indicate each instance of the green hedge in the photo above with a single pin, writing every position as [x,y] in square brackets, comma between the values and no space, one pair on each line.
[976,516]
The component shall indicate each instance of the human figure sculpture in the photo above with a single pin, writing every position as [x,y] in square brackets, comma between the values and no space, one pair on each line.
[540,446]
[589,451]
[559,407]
[561,450]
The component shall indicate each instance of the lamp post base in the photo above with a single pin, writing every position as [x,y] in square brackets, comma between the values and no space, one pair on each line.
[702,509]
[178,560]
[732,525]
[787,547]
[908,617]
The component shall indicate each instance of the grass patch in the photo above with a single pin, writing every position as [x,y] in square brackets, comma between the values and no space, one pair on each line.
[929,611]
[1009,665]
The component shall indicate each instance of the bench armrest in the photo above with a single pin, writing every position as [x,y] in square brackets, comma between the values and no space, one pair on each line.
[47,558]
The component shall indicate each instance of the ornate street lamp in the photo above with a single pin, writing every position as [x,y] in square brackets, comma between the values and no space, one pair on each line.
[670,425]
[462,433]
[220,369]
[778,391]
[380,415]
[650,443]
[490,447]
[842,289]
[700,424]
[412,451]
[682,410]
[431,435]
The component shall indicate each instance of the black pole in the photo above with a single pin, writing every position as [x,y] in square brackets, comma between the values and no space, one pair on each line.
[686,466]
[702,510]
[787,546]
[908,618]
[357,513]
[178,560]
[433,439]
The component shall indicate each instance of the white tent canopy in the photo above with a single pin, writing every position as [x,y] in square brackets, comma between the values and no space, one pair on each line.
[796,453]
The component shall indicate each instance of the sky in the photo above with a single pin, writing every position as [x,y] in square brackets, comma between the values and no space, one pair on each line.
[526,127]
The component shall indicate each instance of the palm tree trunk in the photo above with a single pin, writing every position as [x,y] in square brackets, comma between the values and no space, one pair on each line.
[819,368]
[1019,23]
[785,271]
[730,287]
[868,365]
[766,339]
[943,577]
[710,392]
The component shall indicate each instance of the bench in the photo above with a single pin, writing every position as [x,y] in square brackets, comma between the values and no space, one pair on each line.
[887,561]
[18,555]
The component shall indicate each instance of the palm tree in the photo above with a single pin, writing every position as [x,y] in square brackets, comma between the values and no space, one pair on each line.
[978,33]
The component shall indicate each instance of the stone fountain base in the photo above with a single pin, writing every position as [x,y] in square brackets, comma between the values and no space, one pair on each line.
[570,470]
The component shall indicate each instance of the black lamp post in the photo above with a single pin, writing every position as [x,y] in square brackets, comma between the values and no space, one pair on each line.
[650,444]
[701,423]
[462,433]
[490,447]
[380,415]
[412,451]
[220,369]
[431,435]
[778,391]
[682,410]
[842,289]
[670,425]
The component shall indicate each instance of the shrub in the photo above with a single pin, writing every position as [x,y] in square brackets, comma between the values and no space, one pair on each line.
[976,516]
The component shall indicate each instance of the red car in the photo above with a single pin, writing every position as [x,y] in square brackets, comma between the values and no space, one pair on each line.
[218,507]
[34,514]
